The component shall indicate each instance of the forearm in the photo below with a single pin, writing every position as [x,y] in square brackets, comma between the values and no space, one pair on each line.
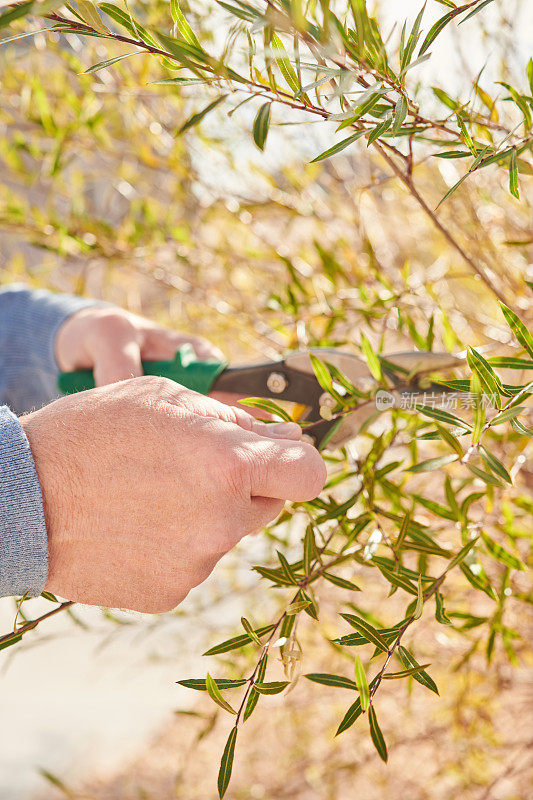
[29,321]
[23,539]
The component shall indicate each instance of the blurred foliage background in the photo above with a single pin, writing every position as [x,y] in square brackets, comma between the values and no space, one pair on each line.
[262,254]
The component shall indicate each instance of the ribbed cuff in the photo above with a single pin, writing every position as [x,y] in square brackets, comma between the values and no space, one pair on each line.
[23,540]
[39,315]
[29,322]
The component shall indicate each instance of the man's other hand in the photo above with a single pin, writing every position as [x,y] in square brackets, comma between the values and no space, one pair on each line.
[112,342]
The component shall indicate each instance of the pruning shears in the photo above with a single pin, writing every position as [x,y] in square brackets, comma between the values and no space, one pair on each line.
[292,379]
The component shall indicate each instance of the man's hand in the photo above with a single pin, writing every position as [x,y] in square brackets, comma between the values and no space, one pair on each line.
[146,485]
[113,342]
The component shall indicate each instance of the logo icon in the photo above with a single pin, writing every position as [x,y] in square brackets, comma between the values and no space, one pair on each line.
[384,400]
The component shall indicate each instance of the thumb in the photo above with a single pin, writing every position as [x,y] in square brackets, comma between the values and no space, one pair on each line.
[117,359]
[286,470]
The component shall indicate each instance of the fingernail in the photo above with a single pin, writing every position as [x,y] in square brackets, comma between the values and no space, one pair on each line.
[283,430]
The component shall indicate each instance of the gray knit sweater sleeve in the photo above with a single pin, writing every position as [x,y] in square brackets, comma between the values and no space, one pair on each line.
[29,321]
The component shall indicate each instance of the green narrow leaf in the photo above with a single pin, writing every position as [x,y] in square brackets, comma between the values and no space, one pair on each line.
[250,631]
[521,429]
[326,679]
[377,736]
[442,416]
[312,608]
[56,782]
[513,176]
[199,684]
[90,15]
[13,640]
[440,612]
[286,568]
[331,151]
[508,414]
[123,18]
[450,439]
[529,70]
[322,373]
[518,328]
[494,464]
[284,64]
[508,362]
[476,10]
[405,673]
[409,661]
[343,583]
[466,135]
[266,405]
[417,613]
[109,61]
[362,684]
[353,713]
[379,130]
[236,642]
[244,11]
[367,630]
[446,99]
[397,579]
[214,693]
[436,508]
[274,575]
[295,608]
[453,154]
[412,40]
[487,377]
[478,581]
[433,463]
[198,117]
[400,113]
[374,364]
[452,190]
[261,125]
[366,103]
[182,24]
[274,687]
[226,763]
[14,13]
[24,9]
[402,532]
[479,408]
[434,31]
[310,550]
[463,552]
[482,475]
[254,695]
[330,434]
[501,554]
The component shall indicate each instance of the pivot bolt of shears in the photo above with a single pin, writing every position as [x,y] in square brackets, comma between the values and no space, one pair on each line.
[327,401]
[276,382]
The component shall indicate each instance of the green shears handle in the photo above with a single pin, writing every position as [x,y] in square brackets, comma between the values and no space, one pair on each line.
[185,369]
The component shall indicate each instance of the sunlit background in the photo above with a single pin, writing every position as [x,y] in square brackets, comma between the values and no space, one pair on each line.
[98,196]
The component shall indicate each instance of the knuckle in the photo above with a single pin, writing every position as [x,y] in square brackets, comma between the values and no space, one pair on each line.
[155,384]
[244,420]
[238,469]
[113,323]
